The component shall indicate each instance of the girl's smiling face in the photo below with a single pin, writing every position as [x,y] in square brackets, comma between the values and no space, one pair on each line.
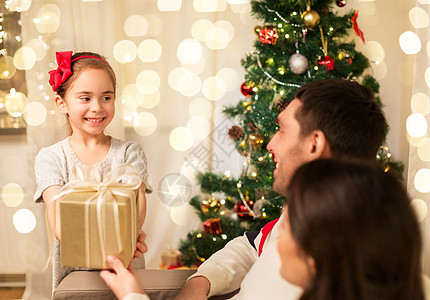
[89,102]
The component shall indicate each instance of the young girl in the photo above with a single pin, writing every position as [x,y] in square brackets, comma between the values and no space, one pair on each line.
[85,85]
[349,232]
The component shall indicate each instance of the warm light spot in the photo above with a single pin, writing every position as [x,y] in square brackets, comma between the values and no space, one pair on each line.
[200,28]
[19,5]
[24,58]
[169,5]
[205,5]
[200,107]
[156,28]
[39,47]
[35,114]
[415,141]
[199,127]
[424,150]
[135,25]
[227,27]
[410,43]
[47,21]
[424,1]
[7,68]
[145,123]
[181,138]
[420,103]
[148,81]
[230,78]
[125,51]
[374,51]
[24,220]
[213,88]
[133,91]
[149,51]
[127,106]
[217,38]
[12,194]
[181,215]
[189,83]
[380,70]
[420,208]
[151,100]
[174,76]
[422,180]
[416,125]
[189,51]
[238,1]
[15,103]
[418,17]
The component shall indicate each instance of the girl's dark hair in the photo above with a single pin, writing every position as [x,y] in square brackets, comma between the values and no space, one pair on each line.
[356,222]
[86,63]
[346,112]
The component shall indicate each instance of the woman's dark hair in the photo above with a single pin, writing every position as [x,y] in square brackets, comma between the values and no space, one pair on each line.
[356,222]
[86,63]
[346,112]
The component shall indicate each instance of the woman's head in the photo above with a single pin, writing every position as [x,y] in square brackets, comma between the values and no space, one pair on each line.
[356,231]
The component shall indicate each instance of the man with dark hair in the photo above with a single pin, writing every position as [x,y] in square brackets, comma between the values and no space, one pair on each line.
[330,118]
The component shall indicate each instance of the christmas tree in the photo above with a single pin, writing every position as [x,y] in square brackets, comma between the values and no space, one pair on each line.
[299,41]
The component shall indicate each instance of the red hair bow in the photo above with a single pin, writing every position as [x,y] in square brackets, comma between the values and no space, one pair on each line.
[58,76]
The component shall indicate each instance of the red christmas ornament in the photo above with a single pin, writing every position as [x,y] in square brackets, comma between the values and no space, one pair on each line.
[341,3]
[268,36]
[247,90]
[242,212]
[212,226]
[326,62]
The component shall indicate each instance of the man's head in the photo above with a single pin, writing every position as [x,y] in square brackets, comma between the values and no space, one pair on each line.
[327,118]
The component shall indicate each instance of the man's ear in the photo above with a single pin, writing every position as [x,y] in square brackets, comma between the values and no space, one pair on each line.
[319,146]
[61,104]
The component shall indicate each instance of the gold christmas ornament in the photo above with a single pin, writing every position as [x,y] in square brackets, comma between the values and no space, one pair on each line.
[210,204]
[311,18]
[256,140]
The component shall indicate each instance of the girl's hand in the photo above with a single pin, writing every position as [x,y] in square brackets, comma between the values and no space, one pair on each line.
[141,246]
[120,280]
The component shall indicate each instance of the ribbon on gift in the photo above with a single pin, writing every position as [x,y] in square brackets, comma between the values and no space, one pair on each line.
[121,181]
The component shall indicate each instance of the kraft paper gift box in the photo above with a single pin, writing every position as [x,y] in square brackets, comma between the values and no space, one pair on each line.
[171,257]
[99,219]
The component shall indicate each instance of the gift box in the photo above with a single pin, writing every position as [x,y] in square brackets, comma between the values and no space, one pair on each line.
[171,258]
[99,218]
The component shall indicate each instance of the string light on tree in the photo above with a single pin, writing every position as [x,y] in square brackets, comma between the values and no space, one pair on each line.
[341,3]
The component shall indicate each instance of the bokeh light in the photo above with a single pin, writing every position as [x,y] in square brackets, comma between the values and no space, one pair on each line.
[16,102]
[19,5]
[156,28]
[149,50]
[217,38]
[35,114]
[39,47]
[189,51]
[48,18]
[12,194]
[189,84]
[24,220]
[151,100]
[125,51]
[213,88]
[199,127]
[227,27]
[410,43]
[420,208]
[380,70]
[24,58]
[133,91]
[181,138]
[200,107]
[169,5]
[420,103]
[415,141]
[128,106]
[197,67]
[416,125]
[230,78]
[7,67]
[200,28]
[182,215]
[424,150]
[135,25]
[145,123]
[205,5]
[421,180]
[174,77]
[148,81]
[374,51]
[418,17]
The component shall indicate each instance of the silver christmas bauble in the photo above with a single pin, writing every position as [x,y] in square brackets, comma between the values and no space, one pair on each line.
[298,63]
